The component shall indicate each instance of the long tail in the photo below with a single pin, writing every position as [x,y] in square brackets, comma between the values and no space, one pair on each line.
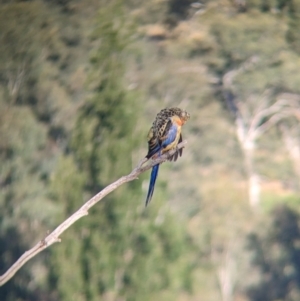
[153,177]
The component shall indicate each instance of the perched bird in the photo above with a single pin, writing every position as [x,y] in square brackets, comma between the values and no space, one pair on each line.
[163,136]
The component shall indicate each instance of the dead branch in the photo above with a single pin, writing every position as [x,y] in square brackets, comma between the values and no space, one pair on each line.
[54,236]
[273,110]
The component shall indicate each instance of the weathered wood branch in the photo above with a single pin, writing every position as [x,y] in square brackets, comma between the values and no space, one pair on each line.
[54,236]
[274,112]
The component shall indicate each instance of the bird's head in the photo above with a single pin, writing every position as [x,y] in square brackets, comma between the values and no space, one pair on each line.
[184,116]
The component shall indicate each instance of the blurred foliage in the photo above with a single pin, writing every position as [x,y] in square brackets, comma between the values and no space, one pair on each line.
[276,254]
[80,84]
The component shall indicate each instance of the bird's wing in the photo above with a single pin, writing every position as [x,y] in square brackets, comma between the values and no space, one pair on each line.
[153,145]
[157,134]
[169,135]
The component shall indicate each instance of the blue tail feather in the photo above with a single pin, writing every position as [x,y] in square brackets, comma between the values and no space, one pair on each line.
[153,177]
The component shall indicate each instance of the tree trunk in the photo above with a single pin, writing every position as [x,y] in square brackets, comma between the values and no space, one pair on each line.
[226,276]
[254,188]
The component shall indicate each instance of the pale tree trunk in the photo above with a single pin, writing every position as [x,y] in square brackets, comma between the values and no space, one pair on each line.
[247,140]
[254,188]
[226,274]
